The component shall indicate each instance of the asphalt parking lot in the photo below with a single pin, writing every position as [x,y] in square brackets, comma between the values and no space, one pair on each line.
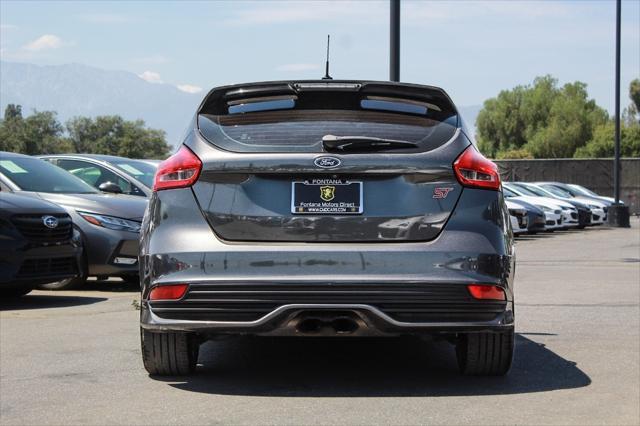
[73,358]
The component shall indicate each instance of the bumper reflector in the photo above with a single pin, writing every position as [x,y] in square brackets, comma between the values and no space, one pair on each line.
[168,292]
[490,292]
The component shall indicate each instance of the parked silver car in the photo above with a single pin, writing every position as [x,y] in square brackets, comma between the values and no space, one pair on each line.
[109,173]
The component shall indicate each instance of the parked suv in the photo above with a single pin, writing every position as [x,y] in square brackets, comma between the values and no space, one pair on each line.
[38,244]
[327,208]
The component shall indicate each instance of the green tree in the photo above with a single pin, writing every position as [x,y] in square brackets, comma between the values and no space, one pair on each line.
[500,124]
[39,133]
[571,120]
[539,121]
[632,113]
[11,127]
[42,134]
[603,140]
[116,136]
[634,93]
[602,143]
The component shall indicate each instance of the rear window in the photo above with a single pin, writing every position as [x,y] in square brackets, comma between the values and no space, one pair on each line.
[297,122]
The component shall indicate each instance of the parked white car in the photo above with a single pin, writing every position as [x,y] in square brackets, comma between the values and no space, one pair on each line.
[589,193]
[598,208]
[553,209]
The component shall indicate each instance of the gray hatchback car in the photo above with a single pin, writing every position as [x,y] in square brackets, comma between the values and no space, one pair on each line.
[327,208]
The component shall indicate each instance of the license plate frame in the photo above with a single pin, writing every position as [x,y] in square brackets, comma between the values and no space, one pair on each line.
[343,197]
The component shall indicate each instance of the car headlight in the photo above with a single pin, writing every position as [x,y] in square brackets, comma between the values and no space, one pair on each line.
[593,206]
[111,222]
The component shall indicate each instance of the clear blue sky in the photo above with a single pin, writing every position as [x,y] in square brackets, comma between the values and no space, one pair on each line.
[472,49]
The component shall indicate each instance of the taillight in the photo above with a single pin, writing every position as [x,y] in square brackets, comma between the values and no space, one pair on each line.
[474,170]
[484,291]
[168,292]
[178,171]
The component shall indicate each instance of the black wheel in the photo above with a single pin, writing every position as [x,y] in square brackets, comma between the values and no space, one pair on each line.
[169,354]
[14,291]
[485,354]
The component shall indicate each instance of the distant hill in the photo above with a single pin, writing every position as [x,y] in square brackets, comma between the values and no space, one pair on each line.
[76,89]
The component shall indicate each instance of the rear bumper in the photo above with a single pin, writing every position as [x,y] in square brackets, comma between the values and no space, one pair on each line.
[385,288]
[286,320]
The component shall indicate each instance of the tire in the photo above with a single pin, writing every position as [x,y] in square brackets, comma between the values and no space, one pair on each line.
[485,354]
[168,354]
[11,292]
[68,284]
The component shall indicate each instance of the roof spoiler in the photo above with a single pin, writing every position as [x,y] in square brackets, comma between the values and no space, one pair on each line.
[218,99]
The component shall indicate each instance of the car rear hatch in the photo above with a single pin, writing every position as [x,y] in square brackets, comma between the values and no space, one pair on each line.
[326,161]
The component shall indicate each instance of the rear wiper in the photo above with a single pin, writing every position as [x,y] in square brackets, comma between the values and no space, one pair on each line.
[362,143]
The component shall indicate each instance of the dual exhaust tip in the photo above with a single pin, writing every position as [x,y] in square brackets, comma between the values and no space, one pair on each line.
[340,325]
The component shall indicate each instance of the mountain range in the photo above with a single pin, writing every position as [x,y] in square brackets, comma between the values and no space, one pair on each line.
[81,90]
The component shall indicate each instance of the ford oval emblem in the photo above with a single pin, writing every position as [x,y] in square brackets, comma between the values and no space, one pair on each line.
[50,222]
[327,162]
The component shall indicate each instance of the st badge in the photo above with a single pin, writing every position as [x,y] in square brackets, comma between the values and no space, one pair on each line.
[327,193]
[440,193]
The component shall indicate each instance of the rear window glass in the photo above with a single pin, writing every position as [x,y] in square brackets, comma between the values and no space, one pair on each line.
[395,106]
[261,106]
[301,130]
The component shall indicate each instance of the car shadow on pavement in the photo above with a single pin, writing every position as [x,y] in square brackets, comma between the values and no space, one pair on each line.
[46,301]
[300,367]
[112,286]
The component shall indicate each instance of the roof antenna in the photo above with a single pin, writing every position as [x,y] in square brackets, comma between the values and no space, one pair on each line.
[326,72]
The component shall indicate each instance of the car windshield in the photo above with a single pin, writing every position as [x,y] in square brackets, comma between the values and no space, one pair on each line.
[583,190]
[32,174]
[508,193]
[140,170]
[557,191]
[527,191]
[536,191]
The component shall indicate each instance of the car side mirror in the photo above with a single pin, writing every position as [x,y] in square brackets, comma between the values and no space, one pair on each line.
[110,187]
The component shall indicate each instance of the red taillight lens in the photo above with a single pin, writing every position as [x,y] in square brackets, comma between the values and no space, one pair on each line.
[483,291]
[474,170]
[168,292]
[178,171]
